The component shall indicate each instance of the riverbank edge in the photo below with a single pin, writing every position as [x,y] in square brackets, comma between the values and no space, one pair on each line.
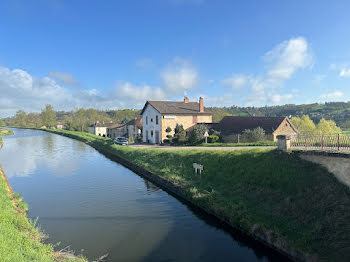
[263,236]
[56,256]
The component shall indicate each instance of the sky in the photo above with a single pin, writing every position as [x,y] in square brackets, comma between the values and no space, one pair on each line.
[118,54]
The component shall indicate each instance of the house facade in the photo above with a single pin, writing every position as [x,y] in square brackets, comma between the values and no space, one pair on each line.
[99,128]
[131,129]
[157,116]
[60,125]
[231,128]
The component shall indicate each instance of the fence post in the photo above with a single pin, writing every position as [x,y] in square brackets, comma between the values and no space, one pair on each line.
[306,143]
[338,142]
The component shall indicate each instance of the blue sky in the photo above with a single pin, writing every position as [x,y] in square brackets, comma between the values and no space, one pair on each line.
[117,54]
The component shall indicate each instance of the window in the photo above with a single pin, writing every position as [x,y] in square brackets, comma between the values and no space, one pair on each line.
[156,120]
[152,133]
[151,119]
[146,120]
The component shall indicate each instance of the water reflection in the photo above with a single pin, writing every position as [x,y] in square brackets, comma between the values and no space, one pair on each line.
[85,200]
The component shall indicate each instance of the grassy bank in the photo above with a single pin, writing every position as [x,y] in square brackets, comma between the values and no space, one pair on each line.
[261,143]
[20,239]
[271,195]
[5,132]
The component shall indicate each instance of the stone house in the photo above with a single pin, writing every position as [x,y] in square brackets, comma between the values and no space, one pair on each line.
[130,129]
[60,125]
[157,116]
[231,127]
[99,128]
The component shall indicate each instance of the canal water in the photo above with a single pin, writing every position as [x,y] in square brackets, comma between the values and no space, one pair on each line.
[96,206]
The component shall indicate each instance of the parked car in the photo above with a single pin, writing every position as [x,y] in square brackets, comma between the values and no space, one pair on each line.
[121,141]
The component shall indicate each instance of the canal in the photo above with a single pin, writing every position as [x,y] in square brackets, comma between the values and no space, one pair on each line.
[96,206]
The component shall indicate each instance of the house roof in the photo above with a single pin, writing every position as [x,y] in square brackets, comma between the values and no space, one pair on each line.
[135,122]
[237,124]
[103,124]
[174,107]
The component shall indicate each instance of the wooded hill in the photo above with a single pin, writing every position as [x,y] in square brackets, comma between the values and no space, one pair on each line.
[337,111]
[81,118]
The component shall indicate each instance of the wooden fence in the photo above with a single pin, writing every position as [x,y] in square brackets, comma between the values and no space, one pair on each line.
[331,143]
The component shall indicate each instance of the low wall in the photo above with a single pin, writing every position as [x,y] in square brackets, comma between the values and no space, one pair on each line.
[337,164]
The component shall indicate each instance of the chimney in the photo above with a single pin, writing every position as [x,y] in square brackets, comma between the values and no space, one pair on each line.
[201,105]
[186,100]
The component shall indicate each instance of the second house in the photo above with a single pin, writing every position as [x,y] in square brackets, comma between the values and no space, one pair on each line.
[157,116]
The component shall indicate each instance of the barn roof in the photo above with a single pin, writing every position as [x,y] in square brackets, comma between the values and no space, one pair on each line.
[237,124]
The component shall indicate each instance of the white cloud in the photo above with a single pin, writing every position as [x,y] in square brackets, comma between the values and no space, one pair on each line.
[64,78]
[180,76]
[236,81]
[278,99]
[281,62]
[333,95]
[20,90]
[344,72]
[288,57]
[137,95]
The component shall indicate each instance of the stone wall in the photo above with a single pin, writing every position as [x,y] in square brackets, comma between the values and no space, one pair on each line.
[186,120]
[285,128]
[339,166]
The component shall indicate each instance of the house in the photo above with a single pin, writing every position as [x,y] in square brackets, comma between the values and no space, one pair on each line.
[99,129]
[157,116]
[130,129]
[231,127]
[59,125]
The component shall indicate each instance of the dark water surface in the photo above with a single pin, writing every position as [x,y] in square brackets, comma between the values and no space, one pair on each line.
[97,206]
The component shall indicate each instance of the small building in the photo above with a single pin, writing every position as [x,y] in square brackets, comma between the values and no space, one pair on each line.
[130,129]
[231,127]
[99,128]
[157,116]
[59,125]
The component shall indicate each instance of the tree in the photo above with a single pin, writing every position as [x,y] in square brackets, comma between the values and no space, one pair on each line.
[48,116]
[2,123]
[20,118]
[326,127]
[180,134]
[255,135]
[304,125]
[196,134]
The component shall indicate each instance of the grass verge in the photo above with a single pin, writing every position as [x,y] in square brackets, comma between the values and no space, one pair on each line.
[5,132]
[261,143]
[277,197]
[20,239]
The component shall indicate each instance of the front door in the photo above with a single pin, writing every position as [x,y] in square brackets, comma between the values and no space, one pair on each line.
[157,137]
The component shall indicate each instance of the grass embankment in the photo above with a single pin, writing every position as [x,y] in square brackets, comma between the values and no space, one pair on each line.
[5,132]
[20,239]
[269,194]
[261,143]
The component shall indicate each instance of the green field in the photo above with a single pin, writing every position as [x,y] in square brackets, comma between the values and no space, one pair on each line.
[257,190]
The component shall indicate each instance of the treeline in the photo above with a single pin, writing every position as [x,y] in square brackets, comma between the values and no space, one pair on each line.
[76,120]
[339,112]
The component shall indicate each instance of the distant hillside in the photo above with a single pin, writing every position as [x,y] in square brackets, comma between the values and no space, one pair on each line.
[337,111]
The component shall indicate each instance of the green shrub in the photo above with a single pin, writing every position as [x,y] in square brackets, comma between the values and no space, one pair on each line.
[196,134]
[254,135]
[213,139]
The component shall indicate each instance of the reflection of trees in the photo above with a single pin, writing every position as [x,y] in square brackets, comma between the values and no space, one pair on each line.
[150,186]
[49,142]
